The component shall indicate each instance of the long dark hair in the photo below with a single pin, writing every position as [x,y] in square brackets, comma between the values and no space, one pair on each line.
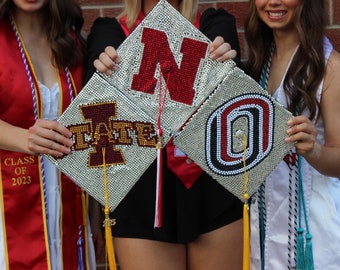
[63,22]
[307,69]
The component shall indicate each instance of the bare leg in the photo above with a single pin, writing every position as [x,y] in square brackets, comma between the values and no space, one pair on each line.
[220,249]
[141,254]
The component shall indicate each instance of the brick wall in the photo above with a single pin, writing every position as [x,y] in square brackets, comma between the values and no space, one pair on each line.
[95,8]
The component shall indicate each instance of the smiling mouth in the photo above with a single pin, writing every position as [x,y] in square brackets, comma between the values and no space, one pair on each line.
[276,14]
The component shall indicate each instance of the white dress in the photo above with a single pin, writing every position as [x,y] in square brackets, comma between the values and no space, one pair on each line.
[322,197]
[51,112]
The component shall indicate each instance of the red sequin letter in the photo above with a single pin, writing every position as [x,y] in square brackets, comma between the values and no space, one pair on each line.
[179,80]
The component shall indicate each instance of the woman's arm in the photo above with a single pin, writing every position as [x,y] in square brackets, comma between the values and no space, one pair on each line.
[221,23]
[104,32]
[44,137]
[323,157]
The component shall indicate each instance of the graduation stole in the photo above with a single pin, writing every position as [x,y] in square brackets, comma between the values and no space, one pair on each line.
[22,175]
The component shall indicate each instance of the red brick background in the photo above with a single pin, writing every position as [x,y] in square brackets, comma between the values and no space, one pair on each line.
[94,8]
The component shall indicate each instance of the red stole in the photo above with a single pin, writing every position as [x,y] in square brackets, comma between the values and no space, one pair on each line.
[185,169]
[21,188]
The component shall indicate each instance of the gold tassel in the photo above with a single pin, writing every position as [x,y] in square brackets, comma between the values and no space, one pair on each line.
[108,222]
[246,223]
[109,243]
[246,242]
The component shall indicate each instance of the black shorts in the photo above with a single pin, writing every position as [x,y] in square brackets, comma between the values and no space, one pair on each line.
[187,213]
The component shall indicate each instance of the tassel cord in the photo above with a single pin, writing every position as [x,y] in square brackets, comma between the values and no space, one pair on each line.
[262,224]
[159,147]
[246,225]
[107,222]
[304,252]
[80,244]
[302,196]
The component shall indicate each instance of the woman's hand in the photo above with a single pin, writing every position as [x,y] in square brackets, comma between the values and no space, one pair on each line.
[220,50]
[107,61]
[303,132]
[49,137]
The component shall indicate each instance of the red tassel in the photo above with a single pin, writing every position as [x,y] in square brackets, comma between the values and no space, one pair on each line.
[159,147]
[159,182]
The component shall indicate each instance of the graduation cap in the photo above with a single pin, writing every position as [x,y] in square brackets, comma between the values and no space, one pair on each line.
[239,133]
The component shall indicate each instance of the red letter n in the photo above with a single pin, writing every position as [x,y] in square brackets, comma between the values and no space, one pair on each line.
[179,80]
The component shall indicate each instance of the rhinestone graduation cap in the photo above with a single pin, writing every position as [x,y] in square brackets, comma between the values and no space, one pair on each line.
[164,76]
[238,129]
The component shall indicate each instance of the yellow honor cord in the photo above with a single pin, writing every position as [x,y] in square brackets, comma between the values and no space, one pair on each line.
[108,222]
[246,223]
